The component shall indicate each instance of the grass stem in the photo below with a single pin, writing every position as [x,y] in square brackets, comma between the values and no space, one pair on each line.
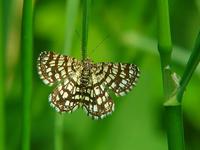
[26,47]
[174,127]
[71,13]
[59,121]
[174,114]
[85,23]
[174,122]
[2,75]
[190,68]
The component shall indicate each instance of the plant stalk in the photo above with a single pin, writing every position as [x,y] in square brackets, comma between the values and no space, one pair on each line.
[71,14]
[174,127]
[26,47]
[174,113]
[190,68]
[173,109]
[59,121]
[2,75]
[85,23]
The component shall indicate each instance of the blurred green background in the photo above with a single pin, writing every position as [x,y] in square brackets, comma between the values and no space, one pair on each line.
[138,120]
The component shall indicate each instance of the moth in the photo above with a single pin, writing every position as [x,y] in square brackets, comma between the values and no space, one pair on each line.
[85,83]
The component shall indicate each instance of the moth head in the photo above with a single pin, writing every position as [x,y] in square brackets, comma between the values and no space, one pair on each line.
[88,63]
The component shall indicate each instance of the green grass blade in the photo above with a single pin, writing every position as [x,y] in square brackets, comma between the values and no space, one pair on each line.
[26,47]
[71,14]
[190,68]
[72,10]
[85,23]
[2,76]
[58,132]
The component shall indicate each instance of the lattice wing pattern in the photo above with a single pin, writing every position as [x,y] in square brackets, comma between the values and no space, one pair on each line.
[66,97]
[99,104]
[54,67]
[84,84]
[118,77]
[69,95]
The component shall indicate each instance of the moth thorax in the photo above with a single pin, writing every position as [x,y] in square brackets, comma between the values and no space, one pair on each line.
[85,77]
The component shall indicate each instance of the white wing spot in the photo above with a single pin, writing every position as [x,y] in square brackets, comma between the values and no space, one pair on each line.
[99,101]
[69,87]
[131,71]
[95,108]
[124,82]
[48,70]
[77,97]
[87,98]
[108,80]
[65,95]
[97,91]
[57,109]
[113,85]
[46,81]
[67,103]
[57,76]
[104,98]
[63,73]
[61,92]
[106,105]
[121,85]
[50,74]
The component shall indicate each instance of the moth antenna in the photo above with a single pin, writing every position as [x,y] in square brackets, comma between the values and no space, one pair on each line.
[99,44]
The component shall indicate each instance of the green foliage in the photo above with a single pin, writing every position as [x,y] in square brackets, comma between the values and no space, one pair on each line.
[173,90]
[132,30]
[26,47]
[190,68]
[71,14]
[2,76]
[85,24]
[173,117]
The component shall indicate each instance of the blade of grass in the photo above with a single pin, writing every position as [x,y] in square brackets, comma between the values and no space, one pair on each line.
[190,68]
[2,76]
[148,45]
[85,23]
[174,123]
[26,47]
[71,14]
[58,132]
[175,112]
